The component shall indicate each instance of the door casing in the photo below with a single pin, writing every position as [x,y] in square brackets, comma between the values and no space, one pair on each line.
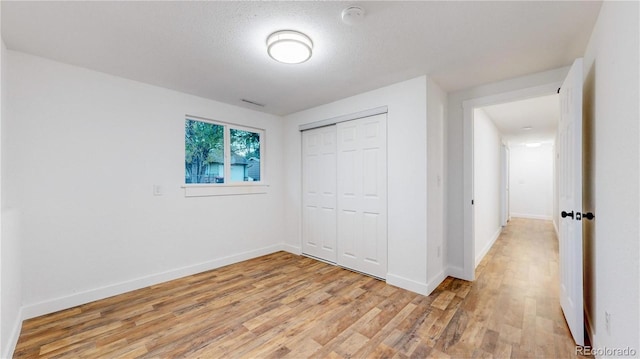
[468,270]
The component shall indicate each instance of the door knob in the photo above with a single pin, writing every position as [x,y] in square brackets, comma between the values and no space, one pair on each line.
[566,214]
[588,216]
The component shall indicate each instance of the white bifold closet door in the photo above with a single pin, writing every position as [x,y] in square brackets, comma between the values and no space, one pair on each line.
[345,194]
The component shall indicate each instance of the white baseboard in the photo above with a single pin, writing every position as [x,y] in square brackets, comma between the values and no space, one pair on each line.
[488,246]
[435,281]
[8,351]
[292,249]
[456,272]
[56,304]
[531,216]
[408,284]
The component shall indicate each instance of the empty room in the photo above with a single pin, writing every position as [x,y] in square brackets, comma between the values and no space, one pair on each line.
[207,179]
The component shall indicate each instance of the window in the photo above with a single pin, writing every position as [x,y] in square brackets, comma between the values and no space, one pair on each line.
[245,155]
[219,153]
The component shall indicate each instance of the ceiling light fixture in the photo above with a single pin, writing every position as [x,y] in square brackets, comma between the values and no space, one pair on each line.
[533,144]
[527,128]
[289,47]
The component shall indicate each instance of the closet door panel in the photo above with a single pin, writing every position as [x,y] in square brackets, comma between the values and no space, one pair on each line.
[361,195]
[319,193]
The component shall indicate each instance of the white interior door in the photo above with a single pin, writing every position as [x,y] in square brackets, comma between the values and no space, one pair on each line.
[362,195]
[570,201]
[319,193]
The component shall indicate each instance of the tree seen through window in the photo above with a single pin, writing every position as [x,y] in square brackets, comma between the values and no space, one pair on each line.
[205,153]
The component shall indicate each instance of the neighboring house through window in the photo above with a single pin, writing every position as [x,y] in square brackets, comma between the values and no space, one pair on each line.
[213,149]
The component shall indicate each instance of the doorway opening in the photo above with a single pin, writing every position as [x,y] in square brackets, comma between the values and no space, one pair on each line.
[568,187]
[471,251]
[513,165]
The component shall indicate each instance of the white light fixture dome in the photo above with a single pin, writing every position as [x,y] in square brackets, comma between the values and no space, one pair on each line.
[289,47]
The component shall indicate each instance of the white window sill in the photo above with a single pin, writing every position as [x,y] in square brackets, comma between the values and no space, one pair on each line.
[205,190]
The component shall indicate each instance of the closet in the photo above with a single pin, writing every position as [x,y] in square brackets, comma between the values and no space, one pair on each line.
[344,199]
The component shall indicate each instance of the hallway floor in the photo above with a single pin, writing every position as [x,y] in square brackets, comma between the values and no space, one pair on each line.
[513,309]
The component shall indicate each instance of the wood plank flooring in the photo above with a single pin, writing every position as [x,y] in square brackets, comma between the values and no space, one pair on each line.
[288,306]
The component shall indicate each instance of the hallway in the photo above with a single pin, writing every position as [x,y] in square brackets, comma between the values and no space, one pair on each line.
[513,309]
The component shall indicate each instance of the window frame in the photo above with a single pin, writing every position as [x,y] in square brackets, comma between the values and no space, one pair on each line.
[229,187]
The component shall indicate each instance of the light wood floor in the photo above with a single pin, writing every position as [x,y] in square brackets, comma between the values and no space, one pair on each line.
[283,305]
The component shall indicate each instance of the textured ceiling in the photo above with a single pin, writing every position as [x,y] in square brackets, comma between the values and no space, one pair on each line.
[217,50]
[541,114]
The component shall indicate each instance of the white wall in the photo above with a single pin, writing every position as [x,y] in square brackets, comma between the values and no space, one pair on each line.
[10,277]
[531,179]
[82,151]
[456,203]
[407,175]
[487,147]
[611,113]
[436,183]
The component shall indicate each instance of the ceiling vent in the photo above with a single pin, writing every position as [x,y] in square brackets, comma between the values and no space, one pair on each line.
[252,102]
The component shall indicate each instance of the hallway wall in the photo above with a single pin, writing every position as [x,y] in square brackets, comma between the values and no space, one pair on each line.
[487,148]
[612,177]
[531,181]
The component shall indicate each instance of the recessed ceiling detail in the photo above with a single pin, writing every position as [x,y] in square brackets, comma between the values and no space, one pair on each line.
[289,47]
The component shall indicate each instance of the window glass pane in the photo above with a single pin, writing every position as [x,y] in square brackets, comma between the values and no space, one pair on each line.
[245,155]
[204,152]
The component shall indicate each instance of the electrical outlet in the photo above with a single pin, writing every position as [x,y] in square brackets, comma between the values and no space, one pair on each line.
[607,321]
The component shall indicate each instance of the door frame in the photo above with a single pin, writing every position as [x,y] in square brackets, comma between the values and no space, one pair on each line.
[331,122]
[505,210]
[468,270]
